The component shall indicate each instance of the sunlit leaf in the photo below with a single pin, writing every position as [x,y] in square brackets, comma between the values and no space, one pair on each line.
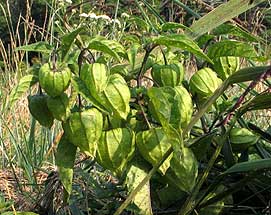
[172,26]
[135,174]
[259,102]
[248,166]
[231,48]
[183,42]
[24,84]
[41,46]
[67,41]
[247,74]
[65,157]
[139,22]
[220,15]
[110,47]
[235,31]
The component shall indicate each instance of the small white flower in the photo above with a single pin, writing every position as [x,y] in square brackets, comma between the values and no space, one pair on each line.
[68,1]
[105,17]
[92,16]
[117,22]
[83,15]
[124,15]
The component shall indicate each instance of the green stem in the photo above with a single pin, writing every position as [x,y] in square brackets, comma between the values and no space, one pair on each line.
[200,113]
[153,11]
[115,17]
[205,107]
[142,183]
[190,202]
[148,49]
[230,191]
[146,17]
[188,9]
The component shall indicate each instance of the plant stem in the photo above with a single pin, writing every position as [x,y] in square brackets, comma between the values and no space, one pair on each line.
[142,183]
[240,100]
[199,114]
[190,203]
[148,49]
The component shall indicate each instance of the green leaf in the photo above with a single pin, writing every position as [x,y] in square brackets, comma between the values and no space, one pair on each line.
[41,46]
[231,48]
[132,54]
[135,174]
[217,207]
[109,47]
[235,31]
[220,15]
[24,84]
[117,47]
[66,176]
[201,145]
[184,169]
[248,166]
[119,69]
[172,26]
[247,74]
[169,194]
[139,22]
[65,158]
[65,154]
[259,102]
[183,42]
[67,41]
[99,46]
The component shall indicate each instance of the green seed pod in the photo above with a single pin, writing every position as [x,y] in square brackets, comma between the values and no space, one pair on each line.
[95,77]
[179,104]
[115,148]
[37,105]
[168,75]
[152,145]
[204,82]
[116,96]
[84,129]
[59,106]
[242,138]
[183,109]
[54,82]
[226,66]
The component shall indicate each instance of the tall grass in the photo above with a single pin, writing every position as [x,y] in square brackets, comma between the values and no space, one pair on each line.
[25,146]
